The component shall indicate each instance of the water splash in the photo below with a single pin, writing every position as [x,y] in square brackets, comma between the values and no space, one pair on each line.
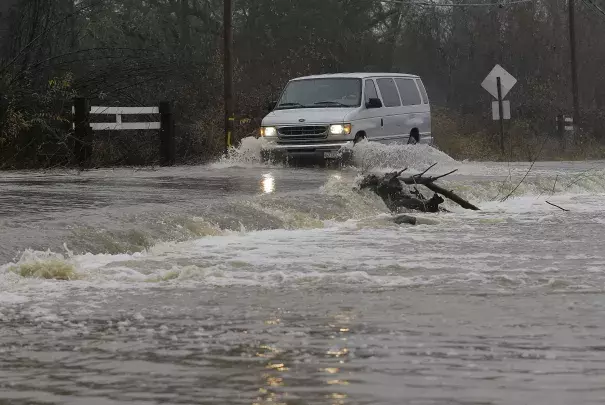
[365,156]
[247,154]
[43,265]
[51,270]
[368,156]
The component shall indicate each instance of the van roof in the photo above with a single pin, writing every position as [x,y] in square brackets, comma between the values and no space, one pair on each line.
[355,75]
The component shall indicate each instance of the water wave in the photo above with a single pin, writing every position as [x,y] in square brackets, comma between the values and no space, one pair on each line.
[139,230]
[373,155]
[365,156]
[246,154]
[335,202]
[371,253]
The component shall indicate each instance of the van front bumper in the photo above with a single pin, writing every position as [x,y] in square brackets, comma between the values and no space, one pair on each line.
[306,146]
[292,148]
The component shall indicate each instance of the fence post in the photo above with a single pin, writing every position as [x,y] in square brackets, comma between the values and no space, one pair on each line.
[167,144]
[82,145]
[561,131]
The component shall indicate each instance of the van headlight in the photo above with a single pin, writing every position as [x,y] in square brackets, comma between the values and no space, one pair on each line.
[268,131]
[340,129]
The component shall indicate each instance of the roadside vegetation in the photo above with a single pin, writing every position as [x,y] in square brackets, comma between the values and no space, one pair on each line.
[471,138]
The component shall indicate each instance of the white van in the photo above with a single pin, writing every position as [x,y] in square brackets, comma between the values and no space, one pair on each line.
[319,114]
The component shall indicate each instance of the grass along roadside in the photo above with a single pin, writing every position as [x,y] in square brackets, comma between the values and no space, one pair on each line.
[465,137]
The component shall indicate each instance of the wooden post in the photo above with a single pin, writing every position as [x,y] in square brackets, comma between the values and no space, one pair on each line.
[560,126]
[167,143]
[82,144]
[228,71]
[501,111]
[561,130]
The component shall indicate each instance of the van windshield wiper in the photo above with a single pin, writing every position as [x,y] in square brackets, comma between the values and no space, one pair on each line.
[334,103]
[290,105]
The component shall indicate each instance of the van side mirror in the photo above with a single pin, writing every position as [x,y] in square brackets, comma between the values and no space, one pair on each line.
[271,105]
[374,103]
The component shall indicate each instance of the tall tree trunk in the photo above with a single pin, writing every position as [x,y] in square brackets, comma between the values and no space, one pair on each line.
[73,25]
[5,25]
[184,27]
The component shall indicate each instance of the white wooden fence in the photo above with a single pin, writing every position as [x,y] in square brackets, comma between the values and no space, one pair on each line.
[569,124]
[118,112]
[83,127]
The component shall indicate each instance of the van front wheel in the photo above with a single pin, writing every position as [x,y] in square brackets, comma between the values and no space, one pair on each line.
[360,136]
[414,137]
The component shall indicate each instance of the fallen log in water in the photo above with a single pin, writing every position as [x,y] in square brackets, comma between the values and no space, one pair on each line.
[405,219]
[393,190]
[450,195]
[408,219]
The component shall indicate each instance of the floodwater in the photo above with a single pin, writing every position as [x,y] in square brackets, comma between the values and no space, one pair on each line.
[242,282]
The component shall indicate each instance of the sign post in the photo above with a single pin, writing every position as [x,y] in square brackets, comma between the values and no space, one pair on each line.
[498,83]
[501,114]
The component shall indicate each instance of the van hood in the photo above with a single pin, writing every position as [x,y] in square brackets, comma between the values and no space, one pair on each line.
[309,115]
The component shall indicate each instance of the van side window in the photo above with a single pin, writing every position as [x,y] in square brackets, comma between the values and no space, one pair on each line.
[390,96]
[425,96]
[370,90]
[409,91]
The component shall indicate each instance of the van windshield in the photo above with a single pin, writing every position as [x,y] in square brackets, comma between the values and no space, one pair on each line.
[321,93]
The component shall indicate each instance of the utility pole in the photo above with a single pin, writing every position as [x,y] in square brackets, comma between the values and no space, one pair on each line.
[396,32]
[73,25]
[228,71]
[574,66]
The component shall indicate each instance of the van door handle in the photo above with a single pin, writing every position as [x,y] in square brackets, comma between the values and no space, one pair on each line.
[382,122]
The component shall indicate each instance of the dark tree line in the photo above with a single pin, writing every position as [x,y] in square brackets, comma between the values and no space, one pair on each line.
[138,52]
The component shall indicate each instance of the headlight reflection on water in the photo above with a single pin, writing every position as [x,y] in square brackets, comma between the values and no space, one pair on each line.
[268,183]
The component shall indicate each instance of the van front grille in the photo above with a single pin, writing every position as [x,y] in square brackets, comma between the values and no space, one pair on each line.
[303,132]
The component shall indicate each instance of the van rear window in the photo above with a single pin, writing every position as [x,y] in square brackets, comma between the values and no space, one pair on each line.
[409,91]
[425,96]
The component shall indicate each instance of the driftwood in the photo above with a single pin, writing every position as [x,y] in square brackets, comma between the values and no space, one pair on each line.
[405,219]
[555,205]
[450,195]
[393,190]
[408,219]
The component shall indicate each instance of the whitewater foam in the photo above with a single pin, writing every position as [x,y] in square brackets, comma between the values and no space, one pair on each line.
[373,155]
[370,251]
[335,203]
[246,154]
[327,233]
[366,156]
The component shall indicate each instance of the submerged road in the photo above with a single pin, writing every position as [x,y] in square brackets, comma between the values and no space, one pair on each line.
[246,283]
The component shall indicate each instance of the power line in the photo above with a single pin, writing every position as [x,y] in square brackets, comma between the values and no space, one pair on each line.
[433,4]
[595,7]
